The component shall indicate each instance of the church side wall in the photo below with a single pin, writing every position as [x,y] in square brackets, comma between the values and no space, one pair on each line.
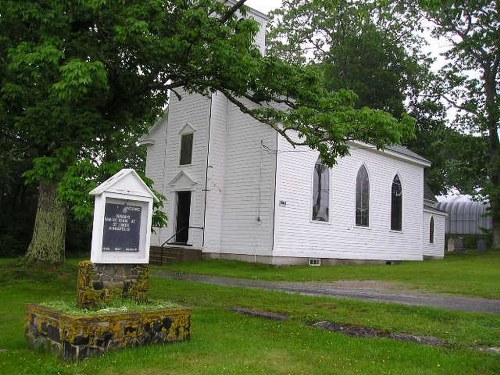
[296,235]
[248,208]
[435,249]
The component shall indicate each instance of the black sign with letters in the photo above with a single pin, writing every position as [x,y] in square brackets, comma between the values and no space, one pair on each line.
[122,228]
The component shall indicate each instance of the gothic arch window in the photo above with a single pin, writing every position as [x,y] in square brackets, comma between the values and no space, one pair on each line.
[431,230]
[321,191]
[396,204]
[362,198]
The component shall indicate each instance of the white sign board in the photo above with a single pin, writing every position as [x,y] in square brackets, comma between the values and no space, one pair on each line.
[122,220]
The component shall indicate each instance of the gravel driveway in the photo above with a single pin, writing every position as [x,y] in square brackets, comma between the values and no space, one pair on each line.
[363,290]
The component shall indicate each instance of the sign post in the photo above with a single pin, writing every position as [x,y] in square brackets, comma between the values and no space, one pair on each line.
[122,220]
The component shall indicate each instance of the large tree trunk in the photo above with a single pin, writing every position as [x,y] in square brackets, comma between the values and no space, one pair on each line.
[492,119]
[496,233]
[49,234]
[495,189]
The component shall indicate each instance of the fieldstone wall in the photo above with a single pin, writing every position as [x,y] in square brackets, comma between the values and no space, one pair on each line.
[77,337]
[98,284]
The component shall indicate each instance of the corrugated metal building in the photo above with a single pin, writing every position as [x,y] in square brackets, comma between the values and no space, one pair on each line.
[464,215]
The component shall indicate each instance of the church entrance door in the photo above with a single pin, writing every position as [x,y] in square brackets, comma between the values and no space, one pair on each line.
[183,213]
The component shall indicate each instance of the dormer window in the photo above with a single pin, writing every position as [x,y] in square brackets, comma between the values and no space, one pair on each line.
[186,149]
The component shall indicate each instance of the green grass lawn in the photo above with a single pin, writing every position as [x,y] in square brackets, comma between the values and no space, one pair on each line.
[224,342]
[474,274]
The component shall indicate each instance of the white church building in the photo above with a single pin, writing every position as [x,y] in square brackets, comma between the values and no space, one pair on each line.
[236,189]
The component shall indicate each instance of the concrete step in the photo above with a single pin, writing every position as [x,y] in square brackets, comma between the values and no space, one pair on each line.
[172,254]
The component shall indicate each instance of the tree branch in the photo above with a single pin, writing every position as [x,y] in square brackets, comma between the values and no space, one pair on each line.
[232,11]
[273,124]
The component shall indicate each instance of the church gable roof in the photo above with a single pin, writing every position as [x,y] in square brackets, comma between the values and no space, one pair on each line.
[407,152]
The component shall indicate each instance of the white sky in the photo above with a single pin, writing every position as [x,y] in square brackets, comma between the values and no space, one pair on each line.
[264,6]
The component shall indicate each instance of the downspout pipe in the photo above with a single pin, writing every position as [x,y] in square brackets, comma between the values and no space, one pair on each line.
[205,189]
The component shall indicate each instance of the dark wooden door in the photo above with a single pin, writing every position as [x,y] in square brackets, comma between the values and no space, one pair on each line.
[183,210]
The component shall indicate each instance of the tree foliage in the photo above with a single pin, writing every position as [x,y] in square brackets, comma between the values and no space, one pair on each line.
[459,161]
[471,78]
[360,46]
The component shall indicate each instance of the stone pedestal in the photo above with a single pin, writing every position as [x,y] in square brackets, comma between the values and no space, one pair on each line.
[98,284]
[76,337]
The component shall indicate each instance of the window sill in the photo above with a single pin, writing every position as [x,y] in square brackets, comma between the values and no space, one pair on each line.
[361,227]
[320,222]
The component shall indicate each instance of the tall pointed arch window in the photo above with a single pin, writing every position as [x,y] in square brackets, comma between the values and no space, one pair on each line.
[396,204]
[362,198]
[321,191]
[431,230]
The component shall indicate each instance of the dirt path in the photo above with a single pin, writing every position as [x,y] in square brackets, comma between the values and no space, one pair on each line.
[365,290]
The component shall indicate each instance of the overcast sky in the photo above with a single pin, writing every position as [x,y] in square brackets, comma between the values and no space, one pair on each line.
[264,6]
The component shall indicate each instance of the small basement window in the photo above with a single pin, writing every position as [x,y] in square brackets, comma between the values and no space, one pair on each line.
[186,149]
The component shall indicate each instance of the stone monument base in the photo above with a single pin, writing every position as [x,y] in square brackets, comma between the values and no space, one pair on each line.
[99,284]
[74,337]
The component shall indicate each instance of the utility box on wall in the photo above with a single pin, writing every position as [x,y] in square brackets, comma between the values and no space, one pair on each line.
[122,220]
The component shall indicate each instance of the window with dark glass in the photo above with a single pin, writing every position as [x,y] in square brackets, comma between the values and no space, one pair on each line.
[431,230]
[186,148]
[362,198]
[321,191]
[396,204]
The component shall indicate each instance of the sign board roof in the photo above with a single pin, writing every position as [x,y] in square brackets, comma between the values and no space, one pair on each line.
[126,182]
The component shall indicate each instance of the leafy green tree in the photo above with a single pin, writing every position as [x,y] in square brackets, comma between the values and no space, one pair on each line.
[471,78]
[459,161]
[79,79]
[358,45]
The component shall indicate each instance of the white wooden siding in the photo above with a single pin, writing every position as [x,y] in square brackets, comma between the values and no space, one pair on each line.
[247,217]
[435,249]
[261,18]
[296,235]
[260,38]
[216,173]
[155,166]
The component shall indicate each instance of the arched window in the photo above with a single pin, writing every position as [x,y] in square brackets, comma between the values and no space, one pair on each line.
[321,191]
[362,198]
[396,204]
[431,230]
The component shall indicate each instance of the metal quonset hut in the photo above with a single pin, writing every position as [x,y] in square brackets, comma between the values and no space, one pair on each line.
[465,217]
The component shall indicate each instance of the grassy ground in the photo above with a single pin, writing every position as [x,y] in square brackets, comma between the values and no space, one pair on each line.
[474,274]
[224,342]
